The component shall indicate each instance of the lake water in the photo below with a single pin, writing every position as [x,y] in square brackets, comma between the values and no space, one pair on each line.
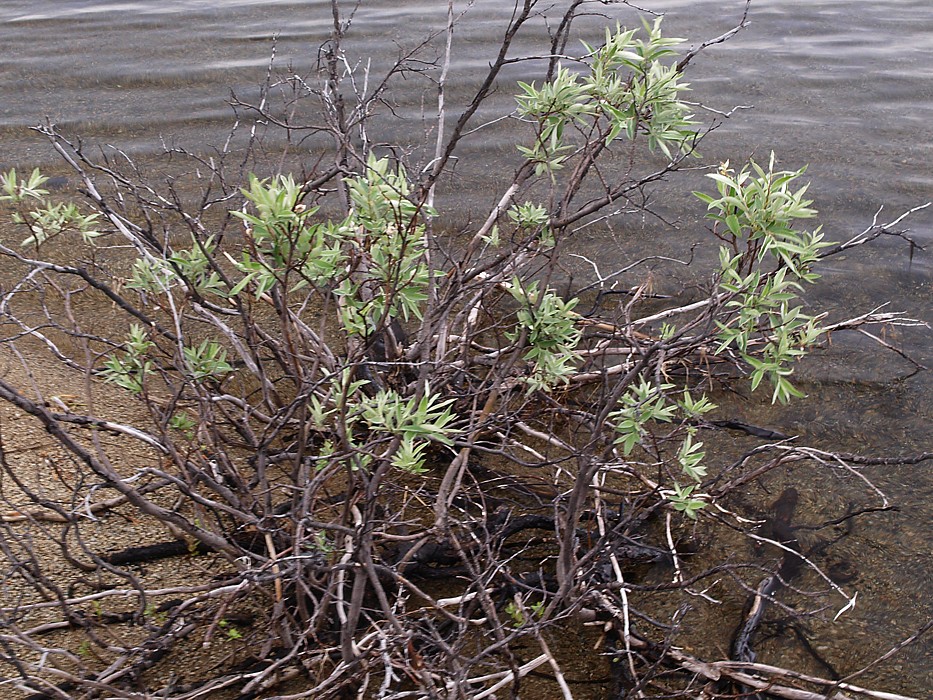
[844,86]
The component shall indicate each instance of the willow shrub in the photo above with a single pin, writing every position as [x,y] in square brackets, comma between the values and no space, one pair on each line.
[324,390]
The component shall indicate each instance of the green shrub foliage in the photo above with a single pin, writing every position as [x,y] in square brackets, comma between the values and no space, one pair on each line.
[347,402]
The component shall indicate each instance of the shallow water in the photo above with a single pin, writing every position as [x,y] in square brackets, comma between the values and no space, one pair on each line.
[845,86]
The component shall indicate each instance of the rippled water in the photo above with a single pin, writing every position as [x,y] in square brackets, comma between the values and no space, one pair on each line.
[846,86]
